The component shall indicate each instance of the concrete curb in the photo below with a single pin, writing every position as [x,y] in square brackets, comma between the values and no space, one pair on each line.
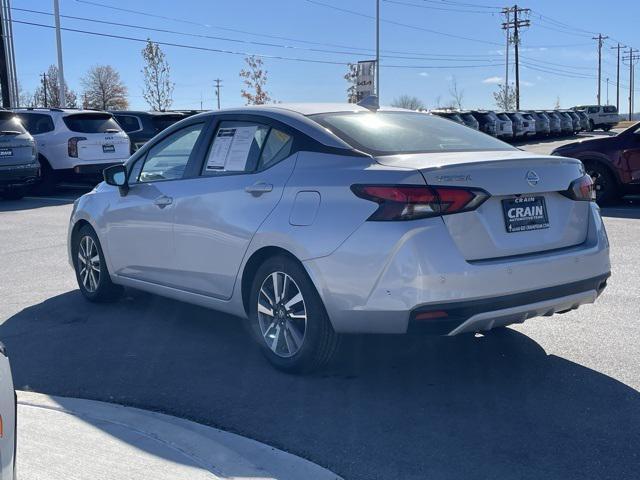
[165,440]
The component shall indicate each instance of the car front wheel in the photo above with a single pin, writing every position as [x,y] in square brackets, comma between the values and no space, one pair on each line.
[288,319]
[91,270]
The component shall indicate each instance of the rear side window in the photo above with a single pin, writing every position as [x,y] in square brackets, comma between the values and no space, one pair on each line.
[610,109]
[129,123]
[10,123]
[592,110]
[91,123]
[36,123]
[276,148]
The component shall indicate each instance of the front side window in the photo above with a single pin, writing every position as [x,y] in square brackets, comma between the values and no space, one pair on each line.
[36,123]
[91,123]
[129,123]
[168,159]
[389,133]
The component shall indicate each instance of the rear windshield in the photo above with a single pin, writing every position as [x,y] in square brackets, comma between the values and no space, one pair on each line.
[161,122]
[9,123]
[91,123]
[389,133]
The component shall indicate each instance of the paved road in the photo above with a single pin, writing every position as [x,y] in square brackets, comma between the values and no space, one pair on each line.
[555,398]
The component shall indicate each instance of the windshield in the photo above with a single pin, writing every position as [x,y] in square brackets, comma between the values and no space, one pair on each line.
[9,123]
[91,123]
[389,133]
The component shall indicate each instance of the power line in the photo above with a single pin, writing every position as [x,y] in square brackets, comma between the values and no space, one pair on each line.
[231,52]
[446,9]
[393,22]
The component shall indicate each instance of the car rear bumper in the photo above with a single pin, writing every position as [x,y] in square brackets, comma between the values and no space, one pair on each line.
[16,176]
[382,275]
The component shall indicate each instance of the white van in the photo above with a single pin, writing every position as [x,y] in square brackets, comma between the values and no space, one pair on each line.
[600,116]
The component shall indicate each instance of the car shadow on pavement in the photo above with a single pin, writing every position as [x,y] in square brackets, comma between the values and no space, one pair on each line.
[495,406]
[31,203]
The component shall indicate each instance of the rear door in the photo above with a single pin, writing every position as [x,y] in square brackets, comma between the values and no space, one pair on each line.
[631,155]
[98,136]
[217,214]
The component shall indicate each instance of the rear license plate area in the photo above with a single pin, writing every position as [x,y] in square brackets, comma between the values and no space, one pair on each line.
[525,213]
[6,152]
[108,148]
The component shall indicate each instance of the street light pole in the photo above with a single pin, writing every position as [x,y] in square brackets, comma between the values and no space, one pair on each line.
[378,50]
[61,92]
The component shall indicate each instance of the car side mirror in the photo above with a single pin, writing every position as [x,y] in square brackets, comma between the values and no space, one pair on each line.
[116,175]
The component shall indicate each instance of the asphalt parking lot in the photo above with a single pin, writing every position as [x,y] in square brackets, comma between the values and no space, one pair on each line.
[554,398]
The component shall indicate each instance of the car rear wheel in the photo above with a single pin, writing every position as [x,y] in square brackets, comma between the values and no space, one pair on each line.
[604,183]
[48,179]
[288,319]
[91,270]
[606,128]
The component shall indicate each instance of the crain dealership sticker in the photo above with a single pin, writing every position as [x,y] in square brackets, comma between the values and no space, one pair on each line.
[522,214]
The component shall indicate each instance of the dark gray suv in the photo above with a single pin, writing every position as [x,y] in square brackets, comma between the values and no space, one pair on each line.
[19,165]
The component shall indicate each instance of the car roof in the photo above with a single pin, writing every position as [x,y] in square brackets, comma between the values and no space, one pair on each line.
[59,111]
[145,112]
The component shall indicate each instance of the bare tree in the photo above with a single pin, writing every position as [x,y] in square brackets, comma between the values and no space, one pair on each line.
[103,89]
[255,79]
[456,93]
[352,79]
[158,87]
[438,101]
[26,98]
[505,98]
[556,106]
[409,102]
[49,90]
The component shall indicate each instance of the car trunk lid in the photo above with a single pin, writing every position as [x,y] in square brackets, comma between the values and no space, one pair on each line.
[514,179]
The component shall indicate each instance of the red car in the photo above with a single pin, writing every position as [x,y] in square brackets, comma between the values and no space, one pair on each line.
[613,162]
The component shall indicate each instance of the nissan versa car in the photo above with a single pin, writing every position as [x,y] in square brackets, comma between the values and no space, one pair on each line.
[315,220]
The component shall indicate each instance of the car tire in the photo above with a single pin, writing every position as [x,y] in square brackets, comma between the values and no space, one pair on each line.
[48,179]
[606,128]
[592,127]
[607,190]
[13,193]
[294,337]
[91,270]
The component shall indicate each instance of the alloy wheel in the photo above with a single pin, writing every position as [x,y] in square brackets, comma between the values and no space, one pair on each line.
[89,263]
[282,314]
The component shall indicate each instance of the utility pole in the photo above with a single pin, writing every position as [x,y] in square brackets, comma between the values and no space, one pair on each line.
[618,48]
[44,88]
[506,73]
[217,80]
[4,65]
[516,24]
[378,50]
[600,38]
[633,57]
[607,80]
[61,92]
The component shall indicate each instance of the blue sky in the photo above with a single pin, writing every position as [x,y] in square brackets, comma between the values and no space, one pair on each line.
[557,47]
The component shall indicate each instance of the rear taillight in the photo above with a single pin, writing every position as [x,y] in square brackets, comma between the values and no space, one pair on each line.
[72,146]
[581,189]
[410,202]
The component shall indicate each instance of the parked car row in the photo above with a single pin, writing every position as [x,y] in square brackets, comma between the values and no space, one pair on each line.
[534,123]
[41,147]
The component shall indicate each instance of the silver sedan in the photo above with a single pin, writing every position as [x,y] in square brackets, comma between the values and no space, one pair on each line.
[310,221]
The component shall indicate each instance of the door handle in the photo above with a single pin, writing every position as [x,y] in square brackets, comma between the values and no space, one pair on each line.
[163,201]
[259,188]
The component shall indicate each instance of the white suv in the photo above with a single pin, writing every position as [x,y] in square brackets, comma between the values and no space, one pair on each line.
[74,143]
[600,116]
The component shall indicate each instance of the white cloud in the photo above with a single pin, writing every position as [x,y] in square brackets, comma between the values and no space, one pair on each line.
[424,74]
[524,83]
[492,80]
